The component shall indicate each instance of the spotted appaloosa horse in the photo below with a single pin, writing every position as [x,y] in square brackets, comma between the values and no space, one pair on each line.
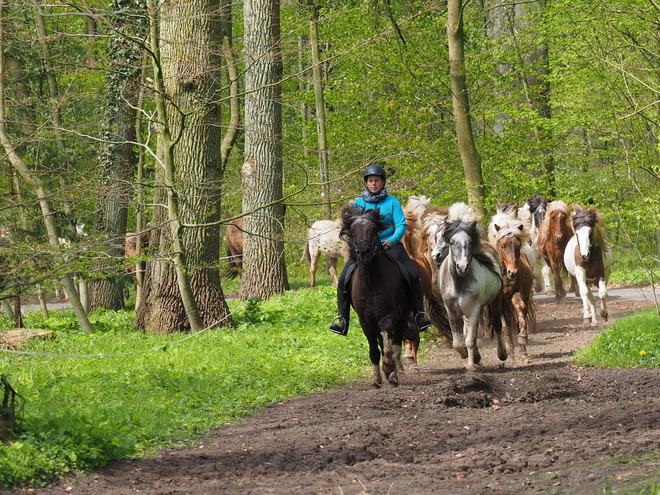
[508,233]
[588,258]
[554,234]
[323,238]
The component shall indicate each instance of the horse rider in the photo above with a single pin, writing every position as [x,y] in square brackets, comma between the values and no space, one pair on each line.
[376,196]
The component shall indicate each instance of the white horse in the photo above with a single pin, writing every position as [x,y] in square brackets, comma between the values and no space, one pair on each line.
[588,258]
[470,280]
[323,238]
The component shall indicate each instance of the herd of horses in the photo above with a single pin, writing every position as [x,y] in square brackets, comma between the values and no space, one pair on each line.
[473,280]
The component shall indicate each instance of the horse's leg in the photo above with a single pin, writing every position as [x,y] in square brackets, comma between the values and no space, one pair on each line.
[374,356]
[521,315]
[545,273]
[471,340]
[313,265]
[456,323]
[410,353]
[560,292]
[588,302]
[389,360]
[602,295]
[574,287]
[538,286]
[496,310]
[333,269]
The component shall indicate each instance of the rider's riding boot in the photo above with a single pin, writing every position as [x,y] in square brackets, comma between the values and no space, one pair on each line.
[422,319]
[340,323]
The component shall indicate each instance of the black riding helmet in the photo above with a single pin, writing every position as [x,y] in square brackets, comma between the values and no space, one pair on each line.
[375,170]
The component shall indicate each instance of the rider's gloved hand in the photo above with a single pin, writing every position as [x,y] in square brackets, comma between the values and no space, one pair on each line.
[387,244]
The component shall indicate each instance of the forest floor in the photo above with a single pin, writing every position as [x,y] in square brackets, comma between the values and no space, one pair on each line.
[537,426]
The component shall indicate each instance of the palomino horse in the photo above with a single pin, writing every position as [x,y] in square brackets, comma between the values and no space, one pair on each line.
[378,292]
[415,243]
[588,258]
[234,241]
[555,232]
[323,238]
[507,233]
[535,208]
[470,280]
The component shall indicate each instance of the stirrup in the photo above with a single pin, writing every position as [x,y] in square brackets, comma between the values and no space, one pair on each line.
[424,322]
[341,327]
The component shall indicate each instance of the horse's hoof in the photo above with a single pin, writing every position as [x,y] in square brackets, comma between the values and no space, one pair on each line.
[472,367]
[604,316]
[522,340]
[503,357]
[409,361]
[477,357]
[593,324]
[586,321]
[375,386]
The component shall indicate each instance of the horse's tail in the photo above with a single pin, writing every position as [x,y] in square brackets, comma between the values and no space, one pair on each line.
[438,313]
[306,256]
[509,316]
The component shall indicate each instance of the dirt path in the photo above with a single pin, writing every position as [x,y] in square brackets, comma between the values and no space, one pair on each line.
[539,427]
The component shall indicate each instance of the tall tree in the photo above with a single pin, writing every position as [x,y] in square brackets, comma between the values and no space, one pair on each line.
[263,257]
[469,154]
[118,157]
[182,286]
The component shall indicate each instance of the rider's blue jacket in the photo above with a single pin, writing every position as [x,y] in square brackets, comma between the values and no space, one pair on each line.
[395,219]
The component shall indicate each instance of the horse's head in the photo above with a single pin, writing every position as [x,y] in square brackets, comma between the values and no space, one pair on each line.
[440,247]
[558,221]
[360,230]
[508,247]
[587,222]
[462,238]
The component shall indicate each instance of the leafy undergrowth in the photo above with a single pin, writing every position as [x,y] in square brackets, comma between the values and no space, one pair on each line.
[629,342]
[117,393]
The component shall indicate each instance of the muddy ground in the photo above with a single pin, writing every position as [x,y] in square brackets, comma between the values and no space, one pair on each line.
[543,426]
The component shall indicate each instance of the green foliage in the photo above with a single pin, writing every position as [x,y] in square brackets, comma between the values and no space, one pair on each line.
[629,342]
[152,391]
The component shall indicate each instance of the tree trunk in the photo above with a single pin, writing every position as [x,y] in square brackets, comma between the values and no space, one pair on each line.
[232,73]
[320,111]
[184,293]
[264,268]
[117,161]
[464,135]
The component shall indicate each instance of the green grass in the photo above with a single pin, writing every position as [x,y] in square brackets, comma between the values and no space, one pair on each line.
[629,342]
[80,412]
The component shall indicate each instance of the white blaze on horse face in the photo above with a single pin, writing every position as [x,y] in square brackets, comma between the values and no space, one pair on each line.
[584,241]
[439,250]
[461,251]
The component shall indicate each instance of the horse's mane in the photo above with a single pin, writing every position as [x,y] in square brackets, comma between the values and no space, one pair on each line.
[558,205]
[590,217]
[538,206]
[461,211]
[415,235]
[507,222]
[478,248]
[350,214]
[419,204]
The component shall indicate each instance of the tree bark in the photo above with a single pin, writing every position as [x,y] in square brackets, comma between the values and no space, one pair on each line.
[468,150]
[182,286]
[264,268]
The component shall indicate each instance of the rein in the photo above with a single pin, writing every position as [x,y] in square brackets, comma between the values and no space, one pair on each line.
[375,247]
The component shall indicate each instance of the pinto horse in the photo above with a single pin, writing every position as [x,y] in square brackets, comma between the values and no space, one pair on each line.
[588,258]
[470,280]
[323,238]
[535,207]
[554,234]
[378,292]
[508,234]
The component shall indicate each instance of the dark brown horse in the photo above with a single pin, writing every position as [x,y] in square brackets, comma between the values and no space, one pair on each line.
[509,235]
[554,233]
[234,241]
[378,292]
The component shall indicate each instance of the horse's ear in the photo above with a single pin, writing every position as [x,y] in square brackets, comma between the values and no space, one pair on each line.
[473,223]
[497,228]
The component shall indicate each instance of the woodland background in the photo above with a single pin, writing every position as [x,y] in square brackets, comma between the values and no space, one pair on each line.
[174,118]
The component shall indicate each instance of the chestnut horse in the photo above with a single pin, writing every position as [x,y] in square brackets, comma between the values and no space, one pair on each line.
[554,234]
[508,234]
[588,258]
[378,292]
[234,241]
[415,243]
